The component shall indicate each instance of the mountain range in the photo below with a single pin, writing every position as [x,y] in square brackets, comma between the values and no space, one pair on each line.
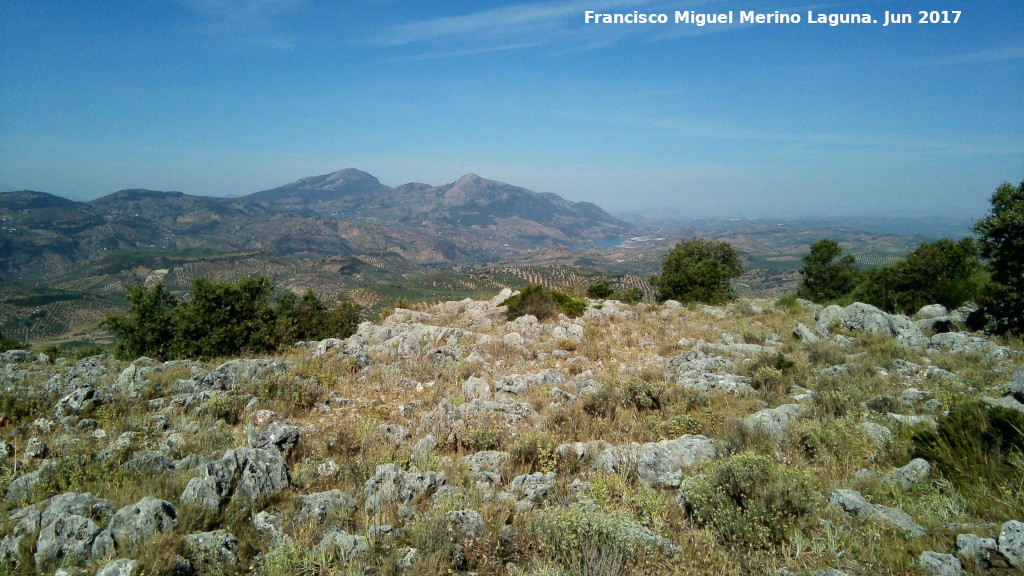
[472,220]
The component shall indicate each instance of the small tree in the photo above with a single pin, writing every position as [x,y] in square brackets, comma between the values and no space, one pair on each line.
[148,330]
[1002,243]
[826,275]
[226,318]
[600,289]
[698,270]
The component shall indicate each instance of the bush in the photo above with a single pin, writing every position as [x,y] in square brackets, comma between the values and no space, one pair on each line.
[591,542]
[974,442]
[698,270]
[600,289]
[225,319]
[629,295]
[825,276]
[750,500]
[1001,236]
[943,272]
[308,318]
[634,393]
[536,449]
[9,344]
[542,303]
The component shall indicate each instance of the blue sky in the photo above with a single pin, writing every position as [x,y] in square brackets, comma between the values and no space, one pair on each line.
[226,97]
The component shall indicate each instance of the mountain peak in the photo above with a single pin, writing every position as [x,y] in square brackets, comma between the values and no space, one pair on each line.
[324,188]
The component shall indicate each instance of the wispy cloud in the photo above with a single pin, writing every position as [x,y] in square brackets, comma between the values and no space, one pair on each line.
[983,56]
[253,23]
[556,25]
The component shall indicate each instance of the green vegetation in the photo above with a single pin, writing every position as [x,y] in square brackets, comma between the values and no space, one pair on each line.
[698,270]
[1002,244]
[750,499]
[601,288]
[825,275]
[943,272]
[976,446]
[224,318]
[543,303]
[9,344]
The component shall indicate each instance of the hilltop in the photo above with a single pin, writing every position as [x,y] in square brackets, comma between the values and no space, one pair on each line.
[753,438]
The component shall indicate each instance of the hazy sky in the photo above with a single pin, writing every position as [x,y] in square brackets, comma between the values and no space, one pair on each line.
[226,97]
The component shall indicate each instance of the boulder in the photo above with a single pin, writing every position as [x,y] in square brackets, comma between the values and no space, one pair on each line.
[658,463]
[72,503]
[487,466]
[931,312]
[916,472]
[269,431]
[339,544]
[532,487]
[390,486]
[964,343]
[935,564]
[697,370]
[255,474]
[983,553]
[1017,384]
[467,526]
[67,541]
[901,520]
[1011,543]
[774,422]
[80,400]
[803,333]
[212,552]
[393,434]
[860,317]
[135,524]
[121,567]
[853,503]
[475,387]
[22,488]
[317,508]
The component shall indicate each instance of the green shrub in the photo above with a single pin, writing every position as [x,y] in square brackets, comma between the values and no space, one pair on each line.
[750,500]
[634,393]
[537,450]
[225,319]
[542,303]
[641,394]
[9,344]
[943,272]
[698,270]
[600,289]
[588,541]
[309,318]
[789,302]
[629,295]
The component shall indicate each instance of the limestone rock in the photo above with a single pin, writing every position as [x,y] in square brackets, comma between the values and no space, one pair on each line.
[212,551]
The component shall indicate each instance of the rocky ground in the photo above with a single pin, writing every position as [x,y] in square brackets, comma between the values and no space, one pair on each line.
[757,438]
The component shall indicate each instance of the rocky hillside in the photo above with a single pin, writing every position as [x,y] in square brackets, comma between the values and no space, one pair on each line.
[756,438]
